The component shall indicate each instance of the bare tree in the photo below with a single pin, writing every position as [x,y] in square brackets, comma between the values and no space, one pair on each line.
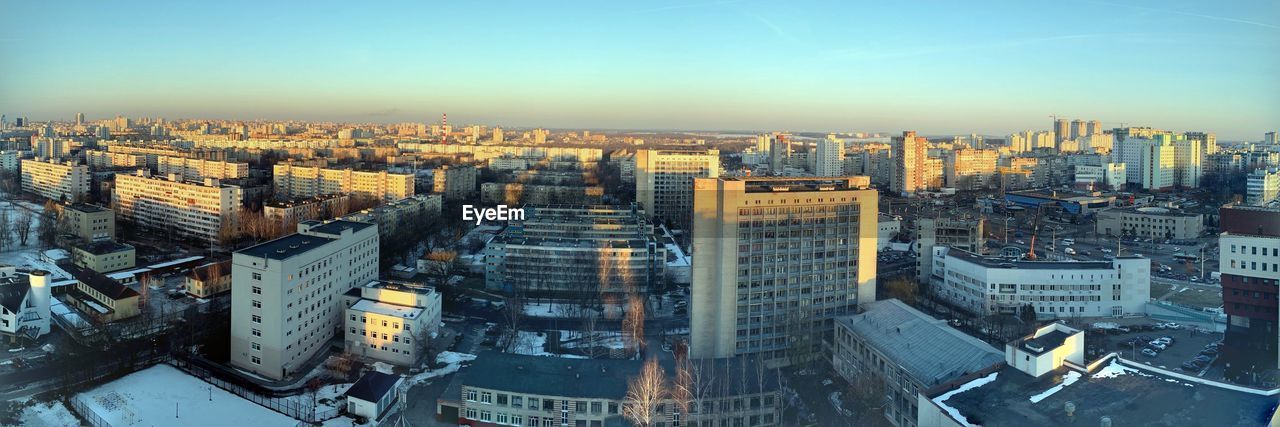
[590,334]
[22,226]
[513,312]
[439,262]
[47,230]
[645,392]
[633,323]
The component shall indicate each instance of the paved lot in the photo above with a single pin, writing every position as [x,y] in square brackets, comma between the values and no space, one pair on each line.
[1187,344]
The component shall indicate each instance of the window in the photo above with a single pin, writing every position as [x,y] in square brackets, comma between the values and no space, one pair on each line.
[595,407]
[257,304]
[256,332]
[471,395]
[502,399]
[486,397]
[517,401]
[257,290]
[257,276]
[255,346]
[256,318]
[471,413]
[256,360]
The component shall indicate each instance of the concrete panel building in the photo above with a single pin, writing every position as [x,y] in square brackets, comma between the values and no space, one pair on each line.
[392,322]
[664,182]
[455,182]
[909,156]
[293,182]
[965,234]
[104,256]
[1150,222]
[1263,186]
[88,222]
[1249,254]
[61,181]
[204,210]
[199,169]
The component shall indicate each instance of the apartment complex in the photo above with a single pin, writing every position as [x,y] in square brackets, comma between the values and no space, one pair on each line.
[1107,176]
[989,285]
[1159,160]
[414,210]
[776,259]
[98,160]
[320,207]
[909,157]
[516,194]
[455,182]
[391,322]
[664,182]
[199,169]
[204,210]
[90,223]
[1249,254]
[10,160]
[486,152]
[62,181]
[1263,186]
[966,234]
[293,182]
[576,252]
[287,299]
[1150,222]
[969,169]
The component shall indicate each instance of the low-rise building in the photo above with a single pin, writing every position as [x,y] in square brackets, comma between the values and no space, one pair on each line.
[372,395]
[24,304]
[210,279]
[319,208]
[392,322]
[1150,222]
[102,298]
[90,223]
[103,256]
[61,181]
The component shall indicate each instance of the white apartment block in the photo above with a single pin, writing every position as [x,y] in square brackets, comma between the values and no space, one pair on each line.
[62,181]
[909,154]
[287,301]
[1159,160]
[1109,175]
[294,182]
[778,258]
[487,152]
[988,285]
[199,169]
[829,158]
[664,181]
[204,210]
[1263,186]
[455,182]
[392,322]
[97,159]
[10,160]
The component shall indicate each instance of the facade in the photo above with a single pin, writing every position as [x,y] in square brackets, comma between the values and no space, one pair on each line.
[987,285]
[319,208]
[204,211]
[104,256]
[888,228]
[576,252]
[1106,176]
[61,181]
[1263,186]
[1249,260]
[455,182]
[287,299]
[664,182]
[517,194]
[90,223]
[1150,222]
[908,351]
[208,280]
[24,304]
[592,392]
[294,182]
[373,394]
[909,153]
[392,322]
[10,161]
[199,169]
[1160,160]
[391,217]
[98,160]
[969,169]
[102,298]
[775,259]
[964,234]
[829,157]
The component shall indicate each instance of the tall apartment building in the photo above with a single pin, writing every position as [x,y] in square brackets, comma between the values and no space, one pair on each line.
[204,210]
[390,217]
[97,159]
[1078,129]
[985,286]
[1263,186]
[909,153]
[455,182]
[776,259]
[829,158]
[966,234]
[10,160]
[1095,128]
[392,322]
[293,182]
[576,252]
[62,181]
[287,300]
[664,182]
[1270,138]
[199,169]
[969,169]
[1158,159]
[90,223]
[1249,254]
[1062,129]
[1029,141]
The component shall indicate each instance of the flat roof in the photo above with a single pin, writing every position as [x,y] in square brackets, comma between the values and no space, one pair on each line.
[104,247]
[594,378]
[1046,343]
[376,307]
[927,348]
[86,207]
[286,247]
[996,262]
[336,226]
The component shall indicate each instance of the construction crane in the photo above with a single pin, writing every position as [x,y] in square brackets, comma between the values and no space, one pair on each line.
[1035,229]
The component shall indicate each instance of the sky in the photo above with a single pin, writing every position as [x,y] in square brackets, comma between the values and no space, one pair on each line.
[939,67]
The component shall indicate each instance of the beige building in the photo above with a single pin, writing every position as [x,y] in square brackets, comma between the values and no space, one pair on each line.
[909,156]
[415,210]
[293,182]
[957,233]
[61,181]
[321,208]
[455,182]
[775,259]
[103,256]
[90,223]
[286,301]
[969,169]
[209,279]
[517,194]
[664,182]
[392,322]
[199,169]
[98,160]
[203,211]
[102,298]
[1150,222]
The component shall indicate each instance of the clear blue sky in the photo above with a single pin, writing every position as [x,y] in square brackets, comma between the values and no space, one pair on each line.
[939,67]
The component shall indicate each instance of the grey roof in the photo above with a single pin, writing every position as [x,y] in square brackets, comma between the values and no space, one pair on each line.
[285,247]
[335,227]
[104,247]
[1047,342]
[12,291]
[996,262]
[925,347]
[372,386]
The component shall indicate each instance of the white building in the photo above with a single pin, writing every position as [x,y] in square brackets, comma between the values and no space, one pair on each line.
[295,182]
[888,228]
[829,158]
[10,160]
[1109,175]
[664,181]
[60,181]
[985,286]
[392,322]
[204,210]
[1263,186]
[24,304]
[287,299]
[199,169]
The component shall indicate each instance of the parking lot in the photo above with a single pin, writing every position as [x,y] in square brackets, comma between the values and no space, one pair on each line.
[1187,343]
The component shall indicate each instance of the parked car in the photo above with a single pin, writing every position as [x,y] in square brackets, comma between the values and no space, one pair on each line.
[1149,352]
[1190,366]
[1157,345]
[1209,351]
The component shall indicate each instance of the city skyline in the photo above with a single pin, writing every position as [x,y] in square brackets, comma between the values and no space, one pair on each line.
[951,69]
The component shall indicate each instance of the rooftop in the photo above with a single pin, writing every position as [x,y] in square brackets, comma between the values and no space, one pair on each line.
[86,207]
[373,386]
[371,306]
[1152,210]
[336,227]
[104,247]
[997,262]
[12,290]
[286,247]
[592,378]
[100,282]
[929,350]
[1044,343]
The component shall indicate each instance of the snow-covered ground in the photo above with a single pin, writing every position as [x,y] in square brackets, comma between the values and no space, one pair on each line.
[154,395]
[26,256]
[453,361]
[1068,379]
[533,343]
[48,414]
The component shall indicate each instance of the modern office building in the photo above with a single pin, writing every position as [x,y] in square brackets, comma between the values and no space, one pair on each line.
[61,181]
[455,182]
[1263,186]
[391,322]
[199,169]
[90,223]
[1249,260]
[664,182]
[205,210]
[293,182]
[576,252]
[286,302]
[909,153]
[1150,222]
[775,260]
[989,285]
[908,351]
[966,234]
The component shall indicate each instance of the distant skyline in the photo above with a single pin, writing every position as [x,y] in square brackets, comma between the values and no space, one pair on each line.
[939,68]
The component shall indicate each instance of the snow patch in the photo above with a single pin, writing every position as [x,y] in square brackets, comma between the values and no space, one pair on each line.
[154,395]
[1070,378]
[955,413]
[50,414]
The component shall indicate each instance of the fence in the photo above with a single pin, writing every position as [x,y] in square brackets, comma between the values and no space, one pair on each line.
[297,409]
[89,416]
